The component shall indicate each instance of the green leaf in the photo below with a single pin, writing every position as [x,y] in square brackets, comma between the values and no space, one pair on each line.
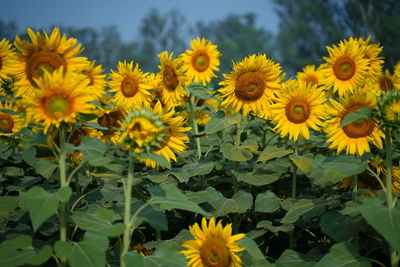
[275,229]
[297,209]
[239,203]
[257,179]
[90,252]
[92,148]
[160,159]
[44,167]
[340,228]
[19,251]
[100,221]
[85,117]
[234,153]
[253,250]
[169,197]
[8,204]
[208,195]
[359,114]
[384,220]
[156,219]
[271,152]
[304,163]
[193,169]
[40,204]
[166,254]
[219,122]
[199,90]
[294,259]
[95,125]
[341,255]
[267,202]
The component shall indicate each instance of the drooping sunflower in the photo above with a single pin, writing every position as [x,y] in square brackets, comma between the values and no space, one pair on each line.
[346,68]
[371,52]
[130,87]
[354,137]
[7,59]
[10,123]
[390,109]
[59,98]
[173,140]
[173,80]
[251,85]
[214,245]
[110,115]
[201,62]
[44,53]
[298,107]
[97,78]
[310,74]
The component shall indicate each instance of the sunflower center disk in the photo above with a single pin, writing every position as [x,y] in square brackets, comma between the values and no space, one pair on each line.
[41,61]
[170,78]
[90,76]
[214,253]
[344,68]
[111,120]
[386,84]
[129,87]
[200,62]
[297,111]
[250,86]
[57,106]
[311,79]
[359,128]
[1,62]
[6,122]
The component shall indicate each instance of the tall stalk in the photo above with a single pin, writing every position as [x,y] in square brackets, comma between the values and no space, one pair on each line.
[127,211]
[63,209]
[192,104]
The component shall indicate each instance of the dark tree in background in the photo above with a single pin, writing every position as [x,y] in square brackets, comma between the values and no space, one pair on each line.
[307,27]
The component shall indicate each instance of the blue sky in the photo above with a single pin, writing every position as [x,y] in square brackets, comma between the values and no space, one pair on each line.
[127,14]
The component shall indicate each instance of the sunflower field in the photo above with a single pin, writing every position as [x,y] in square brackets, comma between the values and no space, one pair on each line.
[185,167]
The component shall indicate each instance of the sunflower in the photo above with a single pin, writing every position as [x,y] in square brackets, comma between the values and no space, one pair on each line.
[173,80]
[214,245]
[310,74]
[97,78]
[130,87]
[371,52]
[397,76]
[10,122]
[60,98]
[173,139]
[7,59]
[44,53]
[110,115]
[251,85]
[298,107]
[391,110]
[201,62]
[355,137]
[346,67]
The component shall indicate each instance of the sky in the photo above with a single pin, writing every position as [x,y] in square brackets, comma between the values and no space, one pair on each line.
[127,14]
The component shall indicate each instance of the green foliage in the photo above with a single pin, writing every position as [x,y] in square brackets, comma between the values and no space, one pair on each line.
[343,254]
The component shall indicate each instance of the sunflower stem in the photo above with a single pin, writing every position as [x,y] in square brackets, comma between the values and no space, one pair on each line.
[194,122]
[127,212]
[63,209]
[294,174]
[394,259]
[354,185]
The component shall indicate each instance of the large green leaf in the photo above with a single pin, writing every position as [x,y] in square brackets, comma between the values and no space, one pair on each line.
[219,122]
[239,203]
[383,219]
[275,228]
[44,167]
[257,178]
[19,251]
[166,254]
[359,114]
[100,221]
[8,204]
[157,219]
[42,204]
[199,90]
[90,252]
[294,259]
[168,197]
[339,227]
[251,247]
[341,255]
[297,209]
[267,202]
[193,169]
[208,195]
[92,149]
[271,152]
[304,162]
[235,153]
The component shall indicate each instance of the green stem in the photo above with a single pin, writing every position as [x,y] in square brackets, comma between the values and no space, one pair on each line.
[63,209]
[394,259]
[127,211]
[238,133]
[294,174]
[354,185]
[195,126]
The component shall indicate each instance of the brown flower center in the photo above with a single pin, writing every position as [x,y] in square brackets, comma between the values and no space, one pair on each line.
[311,79]
[170,78]
[89,75]
[214,253]
[57,106]
[250,86]
[200,61]
[6,122]
[111,120]
[360,128]
[43,60]
[297,111]
[129,87]
[344,68]
[1,62]
[385,83]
